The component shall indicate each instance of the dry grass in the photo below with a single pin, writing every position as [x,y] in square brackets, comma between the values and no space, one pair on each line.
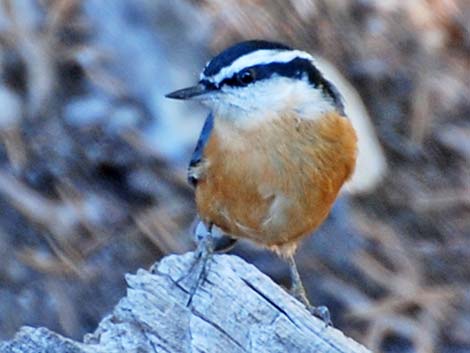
[74,223]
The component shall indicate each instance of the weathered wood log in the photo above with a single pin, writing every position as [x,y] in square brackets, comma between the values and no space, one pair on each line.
[236,309]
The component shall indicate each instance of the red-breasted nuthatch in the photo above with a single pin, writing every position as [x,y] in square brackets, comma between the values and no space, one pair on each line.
[274,151]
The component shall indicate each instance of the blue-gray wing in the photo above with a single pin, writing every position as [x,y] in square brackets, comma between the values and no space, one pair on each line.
[199,150]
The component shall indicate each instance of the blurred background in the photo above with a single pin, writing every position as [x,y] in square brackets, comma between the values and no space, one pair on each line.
[93,157]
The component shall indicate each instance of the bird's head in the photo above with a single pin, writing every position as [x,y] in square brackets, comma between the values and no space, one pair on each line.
[256,80]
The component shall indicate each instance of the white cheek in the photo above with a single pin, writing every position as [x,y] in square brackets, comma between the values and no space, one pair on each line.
[253,103]
[313,105]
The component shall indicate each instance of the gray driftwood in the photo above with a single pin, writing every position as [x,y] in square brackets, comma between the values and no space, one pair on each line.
[237,309]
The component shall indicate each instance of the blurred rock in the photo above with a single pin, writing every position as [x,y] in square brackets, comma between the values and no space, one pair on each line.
[123,118]
[10,103]
[86,111]
[154,49]
[457,139]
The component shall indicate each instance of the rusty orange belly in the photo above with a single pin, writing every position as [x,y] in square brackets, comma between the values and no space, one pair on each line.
[277,183]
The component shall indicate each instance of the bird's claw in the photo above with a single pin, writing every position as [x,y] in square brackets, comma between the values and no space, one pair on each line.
[322,313]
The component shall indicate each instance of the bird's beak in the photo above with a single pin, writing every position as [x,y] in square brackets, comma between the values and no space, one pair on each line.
[189,93]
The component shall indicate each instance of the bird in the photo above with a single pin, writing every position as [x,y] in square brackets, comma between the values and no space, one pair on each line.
[274,151]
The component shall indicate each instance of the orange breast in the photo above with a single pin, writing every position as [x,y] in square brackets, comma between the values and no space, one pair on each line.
[276,183]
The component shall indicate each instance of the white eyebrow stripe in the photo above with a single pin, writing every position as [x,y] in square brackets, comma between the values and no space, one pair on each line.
[259,57]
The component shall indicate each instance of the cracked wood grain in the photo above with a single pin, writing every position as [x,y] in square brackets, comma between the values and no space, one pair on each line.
[237,309]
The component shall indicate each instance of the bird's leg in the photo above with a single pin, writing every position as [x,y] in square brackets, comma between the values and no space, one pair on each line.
[205,249]
[298,291]
[200,232]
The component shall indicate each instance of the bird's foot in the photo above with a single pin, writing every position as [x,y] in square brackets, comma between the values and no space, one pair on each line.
[203,253]
[320,312]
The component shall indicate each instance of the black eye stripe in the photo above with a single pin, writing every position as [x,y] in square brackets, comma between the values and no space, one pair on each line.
[294,69]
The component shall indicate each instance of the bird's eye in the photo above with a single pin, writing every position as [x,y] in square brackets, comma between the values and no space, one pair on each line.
[246,77]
